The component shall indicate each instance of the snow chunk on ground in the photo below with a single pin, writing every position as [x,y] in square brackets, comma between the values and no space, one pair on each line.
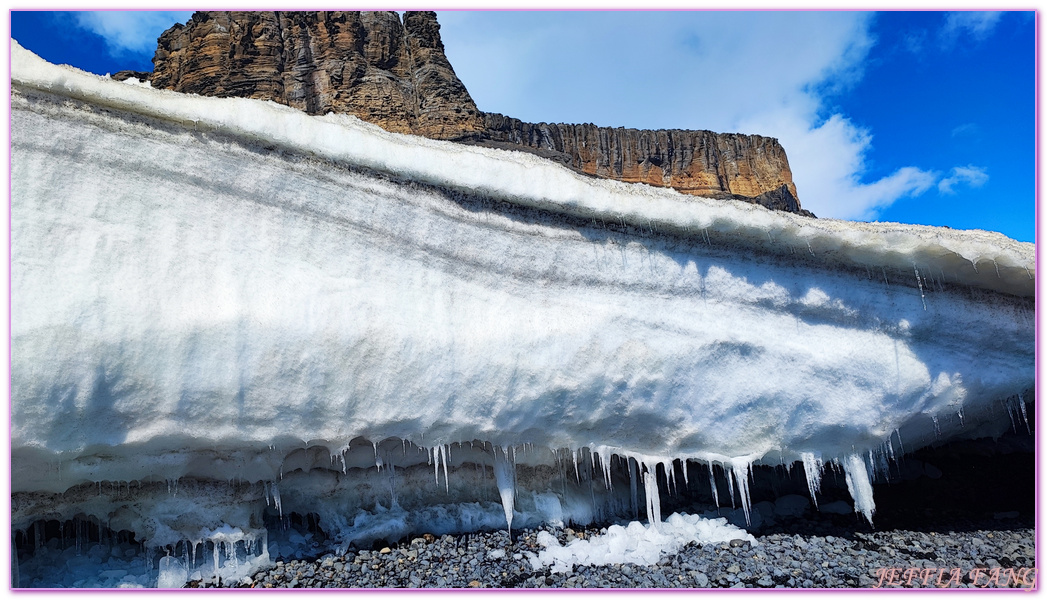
[636,543]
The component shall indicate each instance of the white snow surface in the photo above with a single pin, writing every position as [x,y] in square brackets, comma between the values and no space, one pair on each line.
[635,543]
[229,291]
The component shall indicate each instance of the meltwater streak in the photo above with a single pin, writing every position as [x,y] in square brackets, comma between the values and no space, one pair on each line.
[247,299]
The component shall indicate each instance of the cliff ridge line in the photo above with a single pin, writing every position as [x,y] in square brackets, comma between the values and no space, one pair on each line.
[394,73]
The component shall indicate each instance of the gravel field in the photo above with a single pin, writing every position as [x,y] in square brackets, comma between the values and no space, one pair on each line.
[992,553]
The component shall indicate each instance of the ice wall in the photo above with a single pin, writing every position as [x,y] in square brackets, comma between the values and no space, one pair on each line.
[227,290]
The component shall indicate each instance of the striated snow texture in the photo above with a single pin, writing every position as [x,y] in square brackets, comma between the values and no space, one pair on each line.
[225,309]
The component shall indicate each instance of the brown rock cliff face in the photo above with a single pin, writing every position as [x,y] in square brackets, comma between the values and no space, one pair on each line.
[367,64]
[693,162]
[395,74]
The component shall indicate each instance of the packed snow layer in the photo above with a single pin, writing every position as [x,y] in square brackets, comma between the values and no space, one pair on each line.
[232,293]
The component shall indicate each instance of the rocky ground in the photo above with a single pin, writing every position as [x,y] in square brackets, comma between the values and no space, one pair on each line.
[994,552]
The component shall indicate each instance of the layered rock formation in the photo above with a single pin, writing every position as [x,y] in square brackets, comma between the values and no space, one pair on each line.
[395,74]
[367,64]
[694,162]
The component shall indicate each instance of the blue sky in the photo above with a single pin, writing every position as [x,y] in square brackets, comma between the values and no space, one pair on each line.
[915,117]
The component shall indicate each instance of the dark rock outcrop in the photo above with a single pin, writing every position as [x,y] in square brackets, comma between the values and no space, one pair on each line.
[140,75]
[367,64]
[693,162]
[395,74]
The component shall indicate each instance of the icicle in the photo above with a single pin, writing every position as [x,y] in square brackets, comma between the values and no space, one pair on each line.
[445,453]
[859,485]
[605,460]
[997,268]
[1028,272]
[276,499]
[812,468]
[434,459]
[654,502]
[683,467]
[505,478]
[730,485]
[1010,413]
[878,464]
[265,492]
[920,283]
[574,456]
[889,448]
[670,477]
[937,428]
[1025,416]
[712,484]
[741,477]
[214,554]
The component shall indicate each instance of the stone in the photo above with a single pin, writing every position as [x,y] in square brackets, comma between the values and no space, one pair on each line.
[766,510]
[791,505]
[124,75]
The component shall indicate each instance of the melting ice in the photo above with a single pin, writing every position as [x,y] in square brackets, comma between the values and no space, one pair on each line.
[230,318]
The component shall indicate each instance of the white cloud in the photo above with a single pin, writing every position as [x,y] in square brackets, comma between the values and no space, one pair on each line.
[828,161]
[130,31]
[976,24]
[771,73]
[969,175]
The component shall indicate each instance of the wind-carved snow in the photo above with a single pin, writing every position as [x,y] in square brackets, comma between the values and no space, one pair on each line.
[289,315]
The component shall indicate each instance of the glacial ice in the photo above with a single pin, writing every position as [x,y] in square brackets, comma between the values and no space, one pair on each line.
[226,313]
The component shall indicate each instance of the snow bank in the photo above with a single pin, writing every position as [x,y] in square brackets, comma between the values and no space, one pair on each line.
[225,311]
[522,178]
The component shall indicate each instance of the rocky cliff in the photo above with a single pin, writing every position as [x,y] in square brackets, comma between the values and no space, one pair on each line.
[367,64]
[395,74]
[694,162]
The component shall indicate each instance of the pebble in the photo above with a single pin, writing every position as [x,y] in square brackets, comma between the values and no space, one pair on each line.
[829,556]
